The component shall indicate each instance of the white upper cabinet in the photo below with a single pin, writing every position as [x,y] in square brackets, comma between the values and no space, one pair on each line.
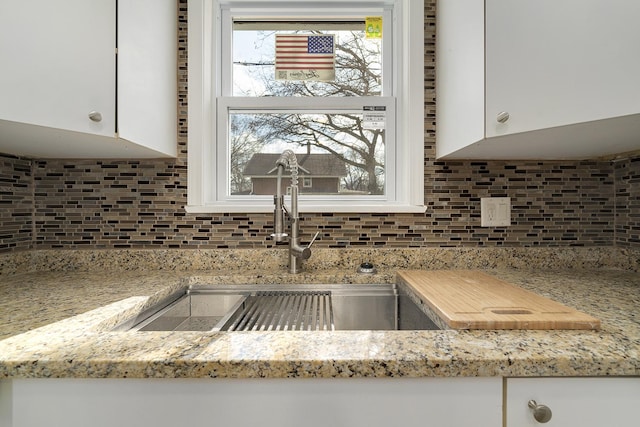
[537,79]
[59,64]
[88,79]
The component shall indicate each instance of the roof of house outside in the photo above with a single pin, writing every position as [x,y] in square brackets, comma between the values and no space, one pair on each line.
[312,165]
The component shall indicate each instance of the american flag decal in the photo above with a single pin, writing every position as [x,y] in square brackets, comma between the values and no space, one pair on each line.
[305,57]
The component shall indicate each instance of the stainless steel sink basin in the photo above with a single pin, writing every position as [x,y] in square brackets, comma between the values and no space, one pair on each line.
[284,308]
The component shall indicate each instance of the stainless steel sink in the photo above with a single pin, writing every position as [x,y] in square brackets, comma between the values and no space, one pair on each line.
[284,308]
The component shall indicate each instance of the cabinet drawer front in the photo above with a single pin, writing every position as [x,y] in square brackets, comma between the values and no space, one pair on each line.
[582,402]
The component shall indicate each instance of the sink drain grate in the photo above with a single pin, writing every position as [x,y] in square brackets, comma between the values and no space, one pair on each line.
[284,311]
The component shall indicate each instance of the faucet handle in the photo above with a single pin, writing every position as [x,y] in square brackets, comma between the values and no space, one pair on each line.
[314,239]
[303,252]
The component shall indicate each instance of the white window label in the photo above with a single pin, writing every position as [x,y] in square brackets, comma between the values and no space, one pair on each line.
[374,117]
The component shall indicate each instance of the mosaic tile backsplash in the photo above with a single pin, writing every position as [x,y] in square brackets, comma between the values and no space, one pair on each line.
[56,204]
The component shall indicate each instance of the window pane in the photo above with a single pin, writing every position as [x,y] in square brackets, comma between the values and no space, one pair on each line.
[357,62]
[335,154]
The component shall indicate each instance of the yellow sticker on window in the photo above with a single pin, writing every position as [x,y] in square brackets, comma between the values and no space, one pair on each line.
[373,27]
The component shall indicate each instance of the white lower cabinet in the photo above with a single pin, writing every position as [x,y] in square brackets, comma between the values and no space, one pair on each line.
[574,402]
[370,402]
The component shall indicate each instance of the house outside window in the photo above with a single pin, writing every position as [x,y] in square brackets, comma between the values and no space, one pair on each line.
[319,173]
[269,76]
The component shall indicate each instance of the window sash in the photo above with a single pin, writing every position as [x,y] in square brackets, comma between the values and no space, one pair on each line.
[230,14]
[302,105]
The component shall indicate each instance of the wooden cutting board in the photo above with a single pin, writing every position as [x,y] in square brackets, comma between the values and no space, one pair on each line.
[466,299]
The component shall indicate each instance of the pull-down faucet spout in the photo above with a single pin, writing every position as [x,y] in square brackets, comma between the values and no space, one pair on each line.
[279,211]
[297,252]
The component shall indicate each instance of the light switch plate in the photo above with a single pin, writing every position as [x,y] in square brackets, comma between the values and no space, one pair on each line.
[495,211]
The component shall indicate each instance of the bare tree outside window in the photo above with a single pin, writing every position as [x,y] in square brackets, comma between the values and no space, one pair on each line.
[243,145]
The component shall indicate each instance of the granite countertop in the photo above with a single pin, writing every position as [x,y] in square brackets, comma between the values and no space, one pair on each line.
[48,332]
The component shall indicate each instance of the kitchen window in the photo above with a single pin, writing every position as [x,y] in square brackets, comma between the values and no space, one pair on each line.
[339,82]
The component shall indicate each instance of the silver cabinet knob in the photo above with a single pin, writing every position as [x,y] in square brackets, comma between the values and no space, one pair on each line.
[541,413]
[502,117]
[95,116]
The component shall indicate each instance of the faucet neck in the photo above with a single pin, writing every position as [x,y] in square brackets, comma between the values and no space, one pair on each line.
[297,252]
[289,160]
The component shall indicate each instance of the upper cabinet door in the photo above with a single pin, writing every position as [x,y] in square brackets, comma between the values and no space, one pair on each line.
[147,75]
[552,63]
[59,64]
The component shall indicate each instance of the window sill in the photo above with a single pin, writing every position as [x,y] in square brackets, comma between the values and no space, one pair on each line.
[223,207]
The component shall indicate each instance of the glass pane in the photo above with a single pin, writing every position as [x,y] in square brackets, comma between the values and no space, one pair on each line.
[336,155]
[357,63]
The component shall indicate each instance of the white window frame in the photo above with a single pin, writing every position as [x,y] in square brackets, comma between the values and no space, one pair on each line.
[307,182]
[208,105]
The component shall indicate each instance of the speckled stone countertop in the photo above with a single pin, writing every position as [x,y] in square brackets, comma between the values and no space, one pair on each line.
[81,344]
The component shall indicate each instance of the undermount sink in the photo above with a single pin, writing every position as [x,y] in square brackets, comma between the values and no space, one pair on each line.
[284,308]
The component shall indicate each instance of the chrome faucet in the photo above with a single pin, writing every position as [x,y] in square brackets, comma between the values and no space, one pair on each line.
[297,252]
